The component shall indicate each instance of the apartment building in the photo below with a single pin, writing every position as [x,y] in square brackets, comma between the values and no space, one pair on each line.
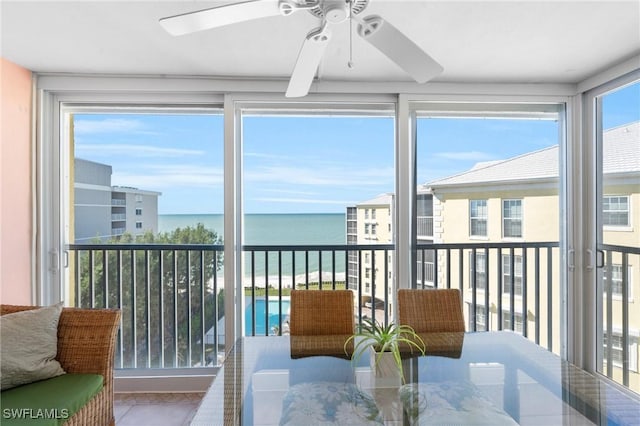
[104,211]
[516,201]
[371,222]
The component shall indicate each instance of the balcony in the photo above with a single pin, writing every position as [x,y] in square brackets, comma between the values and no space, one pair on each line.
[172,298]
[118,202]
[118,231]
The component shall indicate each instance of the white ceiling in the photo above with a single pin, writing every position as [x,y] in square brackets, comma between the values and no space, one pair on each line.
[475,41]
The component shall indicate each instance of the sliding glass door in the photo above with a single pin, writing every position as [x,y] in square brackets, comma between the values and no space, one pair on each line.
[489,213]
[317,208]
[617,258]
[144,227]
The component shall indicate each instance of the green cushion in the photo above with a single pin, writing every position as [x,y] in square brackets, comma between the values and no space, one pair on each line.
[48,402]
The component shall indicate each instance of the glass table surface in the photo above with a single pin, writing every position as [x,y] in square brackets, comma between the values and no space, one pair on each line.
[486,378]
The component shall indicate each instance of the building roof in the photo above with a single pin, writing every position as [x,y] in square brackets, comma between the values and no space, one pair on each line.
[621,155]
[382,199]
[132,190]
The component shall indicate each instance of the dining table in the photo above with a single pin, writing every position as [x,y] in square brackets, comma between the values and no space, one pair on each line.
[480,378]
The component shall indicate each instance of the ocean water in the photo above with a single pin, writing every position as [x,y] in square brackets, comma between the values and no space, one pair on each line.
[277,229]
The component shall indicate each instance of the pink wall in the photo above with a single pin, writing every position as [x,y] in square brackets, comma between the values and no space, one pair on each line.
[15,184]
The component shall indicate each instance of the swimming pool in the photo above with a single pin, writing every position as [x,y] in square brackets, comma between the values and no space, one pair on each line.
[274,315]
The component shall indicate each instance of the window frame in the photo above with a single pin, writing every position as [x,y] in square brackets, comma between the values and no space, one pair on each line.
[479,218]
[617,349]
[611,226]
[479,270]
[617,295]
[521,219]
[589,319]
[52,90]
[480,312]
[506,262]
[518,319]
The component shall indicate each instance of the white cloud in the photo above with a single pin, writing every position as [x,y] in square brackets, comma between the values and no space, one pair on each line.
[145,151]
[302,201]
[288,191]
[265,155]
[163,177]
[108,125]
[321,176]
[465,155]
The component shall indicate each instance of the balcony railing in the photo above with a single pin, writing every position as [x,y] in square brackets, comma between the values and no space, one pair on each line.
[169,296]
[615,285]
[173,303]
[478,270]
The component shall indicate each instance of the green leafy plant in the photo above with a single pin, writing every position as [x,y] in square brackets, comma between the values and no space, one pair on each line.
[372,334]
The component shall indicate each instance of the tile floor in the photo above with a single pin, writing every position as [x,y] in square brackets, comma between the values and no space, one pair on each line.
[155,409]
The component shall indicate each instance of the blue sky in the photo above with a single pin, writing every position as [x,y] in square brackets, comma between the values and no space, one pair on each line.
[302,164]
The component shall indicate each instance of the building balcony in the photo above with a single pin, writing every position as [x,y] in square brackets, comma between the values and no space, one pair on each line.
[118,231]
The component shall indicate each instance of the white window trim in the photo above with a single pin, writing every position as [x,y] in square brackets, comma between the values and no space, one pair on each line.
[470,287]
[585,196]
[628,226]
[486,218]
[522,236]
[504,255]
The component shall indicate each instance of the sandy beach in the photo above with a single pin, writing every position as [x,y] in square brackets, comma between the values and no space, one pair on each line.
[287,280]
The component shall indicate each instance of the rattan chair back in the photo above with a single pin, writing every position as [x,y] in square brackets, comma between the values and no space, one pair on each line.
[431,310]
[86,344]
[321,312]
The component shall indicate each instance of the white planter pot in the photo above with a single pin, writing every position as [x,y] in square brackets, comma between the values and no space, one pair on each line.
[384,369]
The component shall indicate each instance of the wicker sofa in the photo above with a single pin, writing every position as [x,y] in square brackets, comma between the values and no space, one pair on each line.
[86,344]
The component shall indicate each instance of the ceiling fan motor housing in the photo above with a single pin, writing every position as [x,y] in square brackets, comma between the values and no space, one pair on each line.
[336,11]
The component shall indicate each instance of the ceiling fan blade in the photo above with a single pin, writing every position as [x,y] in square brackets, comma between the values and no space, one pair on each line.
[308,60]
[399,48]
[219,16]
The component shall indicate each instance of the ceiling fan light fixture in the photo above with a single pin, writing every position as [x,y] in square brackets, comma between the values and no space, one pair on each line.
[399,48]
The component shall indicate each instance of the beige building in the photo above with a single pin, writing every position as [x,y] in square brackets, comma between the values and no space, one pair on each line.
[507,213]
[499,224]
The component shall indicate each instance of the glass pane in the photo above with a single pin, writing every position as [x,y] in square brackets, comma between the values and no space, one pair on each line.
[143,186]
[618,327]
[495,177]
[321,183]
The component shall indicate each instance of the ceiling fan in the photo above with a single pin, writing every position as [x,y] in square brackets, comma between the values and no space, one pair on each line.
[374,29]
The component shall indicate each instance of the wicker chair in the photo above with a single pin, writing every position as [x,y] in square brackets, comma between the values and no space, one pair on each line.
[431,310]
[86,344]
[321,312]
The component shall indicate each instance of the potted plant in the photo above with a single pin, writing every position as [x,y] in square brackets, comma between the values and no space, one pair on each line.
[384,344]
